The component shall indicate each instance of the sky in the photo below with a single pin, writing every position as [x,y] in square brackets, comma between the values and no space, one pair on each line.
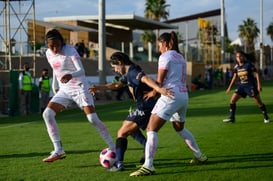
[236,10]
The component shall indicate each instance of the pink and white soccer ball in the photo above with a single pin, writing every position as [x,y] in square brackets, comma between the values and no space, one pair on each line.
[107,158]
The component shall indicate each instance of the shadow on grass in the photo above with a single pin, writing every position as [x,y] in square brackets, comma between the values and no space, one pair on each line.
[242,158]
[179,166]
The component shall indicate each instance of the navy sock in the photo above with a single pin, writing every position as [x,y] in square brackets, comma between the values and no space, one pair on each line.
[232,111]
[121,147]
[139,137]
[263,109]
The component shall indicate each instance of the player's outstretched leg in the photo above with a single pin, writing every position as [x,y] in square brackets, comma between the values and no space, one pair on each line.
[121,147]
[139,137]
[231,118]
[53,132]
[264,111]
[103,131]
[190,141]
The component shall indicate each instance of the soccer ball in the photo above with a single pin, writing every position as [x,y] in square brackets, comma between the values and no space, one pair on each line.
[107,158]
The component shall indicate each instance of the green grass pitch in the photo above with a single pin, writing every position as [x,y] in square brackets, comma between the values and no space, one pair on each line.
[240,151]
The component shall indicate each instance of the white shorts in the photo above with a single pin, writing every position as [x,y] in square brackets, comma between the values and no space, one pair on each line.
[172,109]
[80,96]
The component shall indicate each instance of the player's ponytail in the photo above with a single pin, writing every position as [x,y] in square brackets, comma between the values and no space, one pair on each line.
[170,39]
[174,42]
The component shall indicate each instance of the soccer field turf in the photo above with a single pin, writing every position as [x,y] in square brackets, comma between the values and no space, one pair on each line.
[239,151]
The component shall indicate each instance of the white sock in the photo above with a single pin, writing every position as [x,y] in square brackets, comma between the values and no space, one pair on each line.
[190,142]
[103,131]
[58,146]
[150,149]
[52,128]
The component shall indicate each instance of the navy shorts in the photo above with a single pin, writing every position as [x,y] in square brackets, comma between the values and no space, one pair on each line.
[244,90]
[140,117]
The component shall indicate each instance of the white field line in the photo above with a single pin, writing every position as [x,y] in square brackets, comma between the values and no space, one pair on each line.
[16,125]
[21,124]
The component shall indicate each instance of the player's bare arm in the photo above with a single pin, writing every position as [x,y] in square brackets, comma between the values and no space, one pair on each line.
[151,83]
[110,86]
[259,85]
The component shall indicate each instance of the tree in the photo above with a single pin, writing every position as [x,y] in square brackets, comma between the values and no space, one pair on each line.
[269,30]
[249,32]
[155,10]
[148,36]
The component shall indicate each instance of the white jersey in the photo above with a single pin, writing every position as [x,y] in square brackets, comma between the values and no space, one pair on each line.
[76,89]
[176,67]
[67,62]
[167,108]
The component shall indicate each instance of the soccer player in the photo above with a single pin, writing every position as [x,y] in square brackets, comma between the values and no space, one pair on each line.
[70,85]
[249,84]
[171,75]
[139,85]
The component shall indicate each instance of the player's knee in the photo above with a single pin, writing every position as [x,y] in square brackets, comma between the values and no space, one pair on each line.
[48,112]
[93,118]
[177,129]
[123,133]
[178,126]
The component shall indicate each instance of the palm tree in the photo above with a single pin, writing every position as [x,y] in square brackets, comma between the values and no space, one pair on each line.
[147,36]
[155,10]
[269,30]
[249,32]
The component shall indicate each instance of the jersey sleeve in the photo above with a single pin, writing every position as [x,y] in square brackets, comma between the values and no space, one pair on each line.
[55,85]
[138,73]
[235,69]
[163,63]
[134,75]
[77,63]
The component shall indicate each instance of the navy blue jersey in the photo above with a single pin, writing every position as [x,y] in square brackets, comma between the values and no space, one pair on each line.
[137,88]
[245,73]
[247,80]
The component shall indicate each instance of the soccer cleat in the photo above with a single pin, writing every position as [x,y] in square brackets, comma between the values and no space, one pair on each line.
[116,168]
[197,161]
[143,171]
[229,120]
[266,120]
[54,155]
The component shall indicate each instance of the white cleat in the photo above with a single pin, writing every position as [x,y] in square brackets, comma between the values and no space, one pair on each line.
[266,121]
